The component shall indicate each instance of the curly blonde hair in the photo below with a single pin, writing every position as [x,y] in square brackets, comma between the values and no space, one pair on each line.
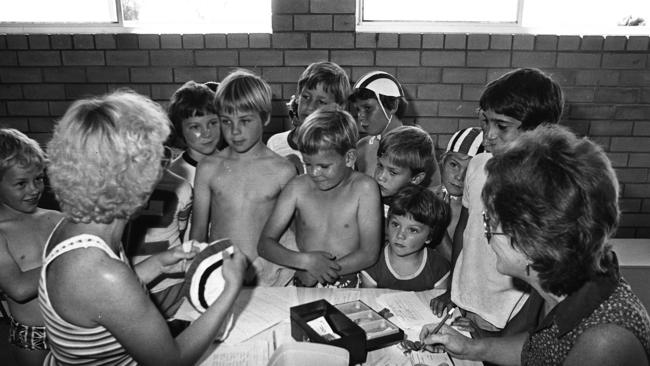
[105,156]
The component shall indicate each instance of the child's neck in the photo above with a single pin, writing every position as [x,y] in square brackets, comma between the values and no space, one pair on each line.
[254,152]
[406,265]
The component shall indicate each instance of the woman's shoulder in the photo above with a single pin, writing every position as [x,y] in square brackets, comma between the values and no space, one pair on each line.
[608,344]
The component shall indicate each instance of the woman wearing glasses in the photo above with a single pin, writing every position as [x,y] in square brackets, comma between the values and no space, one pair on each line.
[551,205]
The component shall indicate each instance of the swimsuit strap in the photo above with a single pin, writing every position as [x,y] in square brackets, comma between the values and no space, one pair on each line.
[78,242]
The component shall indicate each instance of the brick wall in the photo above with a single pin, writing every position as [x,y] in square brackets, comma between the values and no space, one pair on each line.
[606,80]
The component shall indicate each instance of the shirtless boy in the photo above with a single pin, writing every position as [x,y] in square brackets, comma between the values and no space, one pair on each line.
[235,190]
[337,210]
[24,229]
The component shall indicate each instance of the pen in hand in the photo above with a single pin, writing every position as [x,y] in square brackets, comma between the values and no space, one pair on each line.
[443,321]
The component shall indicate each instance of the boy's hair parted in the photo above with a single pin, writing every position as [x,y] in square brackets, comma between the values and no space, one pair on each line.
[18,149]
[526,94]
[331,76]
[409,147]
[192,99]
[329,128]
[423,206]
[243,90]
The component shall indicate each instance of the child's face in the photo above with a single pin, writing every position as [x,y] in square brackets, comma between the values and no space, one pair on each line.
[310,100]
[453,172]
[242,129]
[21,188]
[406,236]
[391,177]
[328,168]
[498,130]
[370,117]
[201,134]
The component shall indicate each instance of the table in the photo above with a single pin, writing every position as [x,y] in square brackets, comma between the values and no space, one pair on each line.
[262,318]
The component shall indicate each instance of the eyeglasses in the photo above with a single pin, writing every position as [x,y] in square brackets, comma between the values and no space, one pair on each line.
[487,228]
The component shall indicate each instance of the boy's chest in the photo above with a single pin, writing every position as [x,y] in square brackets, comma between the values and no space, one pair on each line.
[328,213]
[26,247]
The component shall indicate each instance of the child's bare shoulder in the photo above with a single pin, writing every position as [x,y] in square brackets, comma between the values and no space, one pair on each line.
[363,142]
[361,182]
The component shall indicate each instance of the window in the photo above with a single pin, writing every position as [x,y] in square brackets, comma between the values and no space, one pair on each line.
[136,16]
[581,17]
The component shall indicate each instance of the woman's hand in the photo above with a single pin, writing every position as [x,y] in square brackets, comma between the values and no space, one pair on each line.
[442,304]
[174,260]
[450,339]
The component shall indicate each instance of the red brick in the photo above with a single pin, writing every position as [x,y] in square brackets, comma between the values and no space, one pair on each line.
[260,58]
[39,41]
[615,43]
[8,58]
[478,42]
[633,112]
[578,60]
[216,58]
[523,42]
[500,42]
[546,42]
[344,23]
[388,40]
[591,111]
[332,40]
[645,207]
[455,41]
[164,91]
[439,126]
[39,58]
[334,7]
[645,95]
[624,61]
[418,74]
[201,74]
[641,160]
[433,41]
[61,41]
[44,91]
[192,41]
[443,58]
[618,159]
[151,74]
[631,144]
[457,109]
[303,57]
[10,91]
[627,175]
[289,40]
[20,124]
[568,43]
[617,95]
[609,128]
[312,22]
[592,43]
[41,124]
[422,108]
[106,41]
[83,41]
[282,23]
[107,74]
[581,128]
[469,76]
[20,75]
[237,40]
[259,40]
[366,40]
[282,74]
[20,108]
[64,74]
[171,41]
[17,42]
[127,41]
[359,71]
[148,41]
[127,58]
[597,77]
[171,58]
[630,219]
[398,58]
[641,129]
[58,108]
[488,59]
[472,92]
[76,91]
[82,58]
[289,6]
[533,59]
[410,40]
[634,77]
[637,190]
[353,57]
[578,94]
[439,92]
[638,43]
[562,76]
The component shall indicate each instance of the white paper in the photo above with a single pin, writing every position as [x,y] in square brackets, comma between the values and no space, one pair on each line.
[248,354]
[408,309]
[430,359]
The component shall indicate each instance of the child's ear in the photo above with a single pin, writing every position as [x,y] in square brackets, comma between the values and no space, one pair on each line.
[351,158]
[418,178]
[268,120]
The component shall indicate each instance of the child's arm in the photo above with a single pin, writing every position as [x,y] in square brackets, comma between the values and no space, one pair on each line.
[369,217]
[18,285]
[201,203]
[321,265]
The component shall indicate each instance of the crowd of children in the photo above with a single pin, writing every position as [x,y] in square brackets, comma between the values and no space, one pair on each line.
[333,202]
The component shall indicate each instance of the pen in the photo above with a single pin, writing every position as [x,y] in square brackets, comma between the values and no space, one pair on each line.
[444,319]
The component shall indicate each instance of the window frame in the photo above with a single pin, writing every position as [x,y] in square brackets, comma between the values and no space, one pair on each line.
[487,28]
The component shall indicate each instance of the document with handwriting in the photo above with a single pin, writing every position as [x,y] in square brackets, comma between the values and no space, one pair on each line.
[247,354]
[408,309]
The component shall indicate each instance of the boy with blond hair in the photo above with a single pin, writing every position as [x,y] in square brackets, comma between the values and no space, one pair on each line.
[235,190]
[337,210]
[323,83]
[24,229]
